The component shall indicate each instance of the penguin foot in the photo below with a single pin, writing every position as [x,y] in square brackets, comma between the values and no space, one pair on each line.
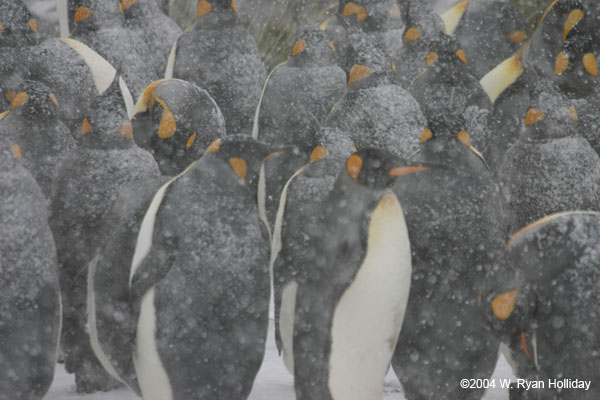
[91,377]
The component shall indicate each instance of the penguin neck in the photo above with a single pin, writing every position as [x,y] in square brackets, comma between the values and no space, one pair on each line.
[217,20]
[448,151]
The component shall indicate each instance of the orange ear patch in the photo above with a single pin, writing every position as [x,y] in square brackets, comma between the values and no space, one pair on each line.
[353,166]
[1,27]
[10,95]
[239,166]
[234,6]
[167,125]
[318,154]
[53,99]
[82,14]
[463,137]
[426,135]
[332,47]
[503,305]
[204,7]
[126,4]
[561,64]
[126,130]
[590,64]
[190,141]
[86,127]
[214,146]
[573,19]
[431,58]
[32,24]
[411,34]
[354,9]
[17,152]
[517,37]
[19,99]
[358,72]
[534,116]
[573,113]
[461,56]
[298,48]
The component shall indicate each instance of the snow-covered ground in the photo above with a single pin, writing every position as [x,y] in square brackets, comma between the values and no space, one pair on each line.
[272,383]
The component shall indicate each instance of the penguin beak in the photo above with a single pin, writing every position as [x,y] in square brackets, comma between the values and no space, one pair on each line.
[407,170]
[272,155]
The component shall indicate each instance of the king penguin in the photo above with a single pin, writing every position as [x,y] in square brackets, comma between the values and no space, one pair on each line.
[176,121]
[219,55]
[455,224]
[30,308]
[544,304]
[349,309]
[33,124]
[84,186]
[296,218]
[199,279]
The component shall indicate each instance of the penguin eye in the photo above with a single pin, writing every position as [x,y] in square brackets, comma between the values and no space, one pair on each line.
[517,37]
[573,19]
[190,141]
[561,64]
[239,167]
[318,154]
[214,146]
[426,135]
[204,7]
[461,56]
[431,58]
[32,24]
[411,34]
[86,127]
[19,99]
[82,14]
[53,99]
[358,72]
[590,64]
[503,305]
[534,116]
[354,9]
[299,47]
[353,166]
[17,152]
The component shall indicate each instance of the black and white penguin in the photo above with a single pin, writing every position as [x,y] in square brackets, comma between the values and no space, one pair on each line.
[199,279]
[30,306]
[85,184]
[454,219]
[489,32]
[423,26]
[551,167]
[100,24]
[33,124]
[446,88]
[146,19]
[349,309]
[296,219]
[176,121]
[76,75]
[298,97]
[543,303]
[220,56]
[17,32]
[374,112]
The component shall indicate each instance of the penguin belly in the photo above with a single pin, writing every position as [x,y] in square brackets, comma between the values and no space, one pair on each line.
[369,315]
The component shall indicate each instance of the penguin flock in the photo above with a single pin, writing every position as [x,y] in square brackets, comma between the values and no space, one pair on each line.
[409,189]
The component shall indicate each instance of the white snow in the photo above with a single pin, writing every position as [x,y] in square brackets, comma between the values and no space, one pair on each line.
[273,382]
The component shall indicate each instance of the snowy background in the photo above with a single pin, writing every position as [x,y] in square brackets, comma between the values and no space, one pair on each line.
[273,382]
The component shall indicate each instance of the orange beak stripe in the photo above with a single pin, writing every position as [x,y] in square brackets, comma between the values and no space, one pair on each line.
[401,171]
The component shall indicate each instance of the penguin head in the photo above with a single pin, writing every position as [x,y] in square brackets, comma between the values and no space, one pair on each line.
[371,15]
[92,15]
[369,65]
[34,101]
[212,13]
[139,8]
[17,26]
[312,48]
[244,155]
[176,121]
[335,144]
[378,170]
[422,23]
